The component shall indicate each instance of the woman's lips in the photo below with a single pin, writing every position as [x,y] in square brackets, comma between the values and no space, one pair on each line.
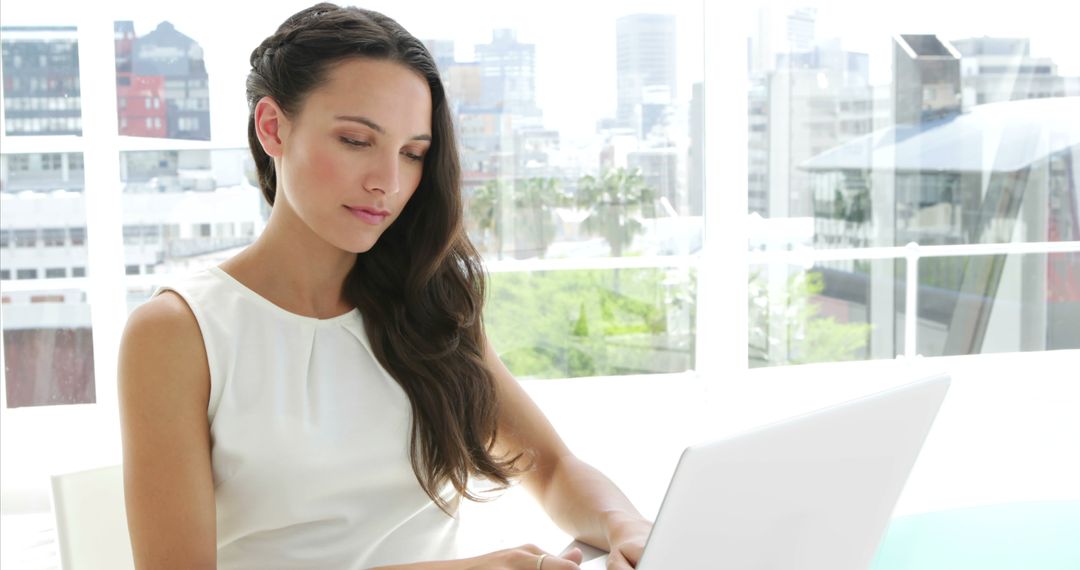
[369,215]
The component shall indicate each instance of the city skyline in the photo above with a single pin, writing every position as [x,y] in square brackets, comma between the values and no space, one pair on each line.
[574,112]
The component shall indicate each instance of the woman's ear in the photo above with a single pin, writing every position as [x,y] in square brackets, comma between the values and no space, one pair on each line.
[269,123]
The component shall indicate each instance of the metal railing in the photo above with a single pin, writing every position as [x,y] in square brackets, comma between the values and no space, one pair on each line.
[804,256]
[911,253]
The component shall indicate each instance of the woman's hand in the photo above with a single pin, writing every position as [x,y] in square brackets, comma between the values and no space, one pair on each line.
[525,558]
[520,558]
[627,539]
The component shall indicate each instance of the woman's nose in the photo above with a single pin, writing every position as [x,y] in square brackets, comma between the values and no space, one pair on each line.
[383,175]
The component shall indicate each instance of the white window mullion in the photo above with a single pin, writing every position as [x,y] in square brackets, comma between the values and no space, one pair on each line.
[105,246]
[722,286]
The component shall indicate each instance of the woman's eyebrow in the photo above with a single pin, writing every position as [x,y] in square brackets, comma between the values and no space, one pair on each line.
[375,126]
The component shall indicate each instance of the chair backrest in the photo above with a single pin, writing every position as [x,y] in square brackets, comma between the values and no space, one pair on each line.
[91,521]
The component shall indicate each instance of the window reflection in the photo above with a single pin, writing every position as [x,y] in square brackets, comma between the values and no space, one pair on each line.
[937,140]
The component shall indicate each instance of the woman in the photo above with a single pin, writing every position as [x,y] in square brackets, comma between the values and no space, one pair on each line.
[322,399]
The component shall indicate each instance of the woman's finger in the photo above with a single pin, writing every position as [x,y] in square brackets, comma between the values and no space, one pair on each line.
[616,561]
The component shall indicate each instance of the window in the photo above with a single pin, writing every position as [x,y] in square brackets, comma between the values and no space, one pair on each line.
[54,237]
[550,177]
[5,238]
[26,238]
[132,235]
[78,236]
[814,183]
[151,234]
[26,273]
[55,272]
[5,274]
[19,162]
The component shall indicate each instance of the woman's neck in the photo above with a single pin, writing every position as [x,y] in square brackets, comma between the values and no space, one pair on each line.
[294,268]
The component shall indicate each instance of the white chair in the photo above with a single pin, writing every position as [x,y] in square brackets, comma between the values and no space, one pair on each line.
[91,522]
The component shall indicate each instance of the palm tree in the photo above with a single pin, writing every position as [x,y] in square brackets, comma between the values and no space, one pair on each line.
[534,204]
[483,211]
[615,202]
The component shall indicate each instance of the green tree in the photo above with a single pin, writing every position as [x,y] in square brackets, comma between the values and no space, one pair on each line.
[615,202]
[535,201]
[554,324]
[809,335]
[483,214]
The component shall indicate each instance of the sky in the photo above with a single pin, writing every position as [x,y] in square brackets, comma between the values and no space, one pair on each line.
[575,40]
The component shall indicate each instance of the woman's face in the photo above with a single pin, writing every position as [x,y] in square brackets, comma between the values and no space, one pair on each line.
[353,155]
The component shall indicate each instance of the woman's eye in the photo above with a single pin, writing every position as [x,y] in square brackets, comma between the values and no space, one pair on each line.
[412,156]
[354,142]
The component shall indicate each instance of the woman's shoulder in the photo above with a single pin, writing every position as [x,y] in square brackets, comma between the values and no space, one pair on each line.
[166,314]
[162,340]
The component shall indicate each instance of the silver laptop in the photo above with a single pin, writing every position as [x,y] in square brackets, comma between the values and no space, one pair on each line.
[810,493]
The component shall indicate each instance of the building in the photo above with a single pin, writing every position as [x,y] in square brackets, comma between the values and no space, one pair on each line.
[809,103]
[1002,69]
[646,71]
[696,162]
[140,99]
[442,51]
[793,33]
[928,179]
[660,169]
[508,75]
[162,84]
[41,80]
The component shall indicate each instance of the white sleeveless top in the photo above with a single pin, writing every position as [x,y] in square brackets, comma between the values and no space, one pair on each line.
[310,439]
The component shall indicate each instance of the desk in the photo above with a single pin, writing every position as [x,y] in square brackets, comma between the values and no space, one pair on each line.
[1043,535]
[1009,536]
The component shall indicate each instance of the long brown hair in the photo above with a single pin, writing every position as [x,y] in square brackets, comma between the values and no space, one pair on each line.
[421,287]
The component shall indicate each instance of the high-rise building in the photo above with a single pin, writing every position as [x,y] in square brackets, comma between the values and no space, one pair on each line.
[508,74]
[812,101]
[926,84]
[442,51]
[778,36]
[928,178]
[41,80]
[1002,69]
[645,59]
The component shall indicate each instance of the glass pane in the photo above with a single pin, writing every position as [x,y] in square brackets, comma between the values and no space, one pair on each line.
[41,81]
[162,87]
[551,175]
[188,209]
[833,311]
[558,324]
[43,210]
[48,348]
[874,135]
[998,303]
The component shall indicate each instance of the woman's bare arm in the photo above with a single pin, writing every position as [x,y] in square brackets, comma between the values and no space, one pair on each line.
[164,387]
[580,499]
